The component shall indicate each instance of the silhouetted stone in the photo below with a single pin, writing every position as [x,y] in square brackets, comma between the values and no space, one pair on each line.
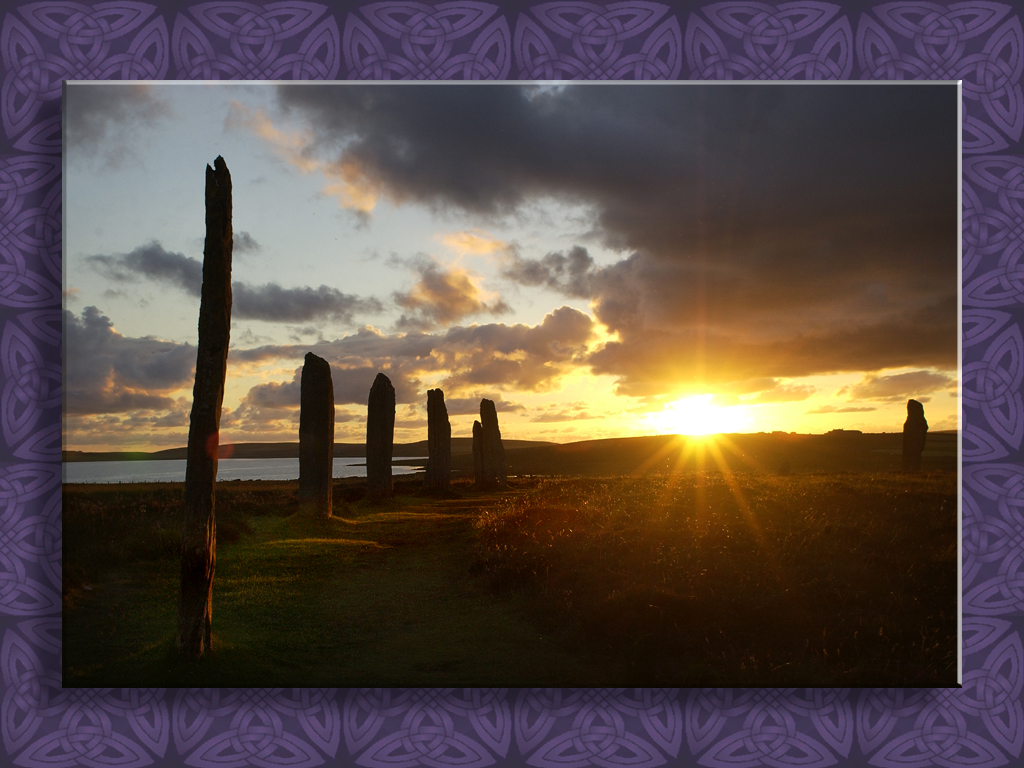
[316,436]
[439,443]
[478,453]
[492,451]
[199,532]
[915,428]
[380,437]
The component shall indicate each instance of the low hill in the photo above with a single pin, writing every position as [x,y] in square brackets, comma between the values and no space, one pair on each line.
[772,452]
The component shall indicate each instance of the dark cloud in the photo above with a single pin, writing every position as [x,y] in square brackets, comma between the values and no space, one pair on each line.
[94,113]
[243,242]
[772,231]
[473,359]
[269,302]
[442,296]
[568,274]
[897,387]
[108,373]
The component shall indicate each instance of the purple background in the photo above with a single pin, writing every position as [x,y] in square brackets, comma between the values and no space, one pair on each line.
[43,725]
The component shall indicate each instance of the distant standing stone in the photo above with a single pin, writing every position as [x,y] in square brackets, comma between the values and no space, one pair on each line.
[915,428]
[316,436]
[478,453]
[493,451]
[439,442]
[380,437]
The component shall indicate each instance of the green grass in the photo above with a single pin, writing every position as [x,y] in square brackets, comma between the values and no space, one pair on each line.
[379,595]
[689,580]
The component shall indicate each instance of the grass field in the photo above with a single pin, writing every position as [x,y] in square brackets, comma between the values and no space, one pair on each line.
[816,579]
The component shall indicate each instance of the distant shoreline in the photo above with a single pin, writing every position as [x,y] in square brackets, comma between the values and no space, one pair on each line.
[283,451]
[460,445]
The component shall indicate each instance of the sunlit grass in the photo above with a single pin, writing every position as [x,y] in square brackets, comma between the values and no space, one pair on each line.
[738,579]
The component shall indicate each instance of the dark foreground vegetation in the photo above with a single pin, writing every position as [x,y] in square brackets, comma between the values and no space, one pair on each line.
[692,579]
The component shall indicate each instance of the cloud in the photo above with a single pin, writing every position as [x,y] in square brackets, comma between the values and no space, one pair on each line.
[109,373]
[897,387]
[269,302]
[785,393]
[243,242]
[847,409]
[442,296]
[766,231]
[464,406]
[468,360]
[97,113]
[475,242]
[567,274]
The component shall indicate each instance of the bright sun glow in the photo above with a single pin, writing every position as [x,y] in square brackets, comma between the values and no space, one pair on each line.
[697,416]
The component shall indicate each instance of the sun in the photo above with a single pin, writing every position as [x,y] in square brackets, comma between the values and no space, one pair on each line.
[696,415]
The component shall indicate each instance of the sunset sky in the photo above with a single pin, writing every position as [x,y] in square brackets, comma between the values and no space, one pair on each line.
[599,259]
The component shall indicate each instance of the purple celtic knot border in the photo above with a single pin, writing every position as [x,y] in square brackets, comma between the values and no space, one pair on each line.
[43,43]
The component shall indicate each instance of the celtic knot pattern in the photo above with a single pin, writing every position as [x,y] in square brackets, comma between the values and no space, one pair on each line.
[976,725]
[438,726]
[108,40]
[259,726]
[976,42]
[30,539]
[30,231]
[993,385]
[797,40]
[45,724]
[778,727]
[415,41]
[598,730]
[625,40]
[275,41]
[993,542]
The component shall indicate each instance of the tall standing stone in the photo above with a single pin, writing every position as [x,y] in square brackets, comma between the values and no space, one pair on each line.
[380,437]
[478,453]
[198,541]
[915,428]
[492,449]
[316,436]
[439,443]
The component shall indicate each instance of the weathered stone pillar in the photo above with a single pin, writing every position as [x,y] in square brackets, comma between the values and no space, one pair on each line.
[380,437]
[493,451]
[316,437]
[478,453]
[199,533]
[439,443]
[915,428]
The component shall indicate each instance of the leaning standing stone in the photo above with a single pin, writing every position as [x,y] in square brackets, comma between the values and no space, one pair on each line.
[493,451]
[915,428]
[439,443]
[199,533]
[380,437]
[316,436]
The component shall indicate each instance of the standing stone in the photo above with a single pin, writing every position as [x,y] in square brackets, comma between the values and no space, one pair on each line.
[380,437]
[198,540]
[915,428]
[478,453]
[492,450]
[316,436]
[439,443]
